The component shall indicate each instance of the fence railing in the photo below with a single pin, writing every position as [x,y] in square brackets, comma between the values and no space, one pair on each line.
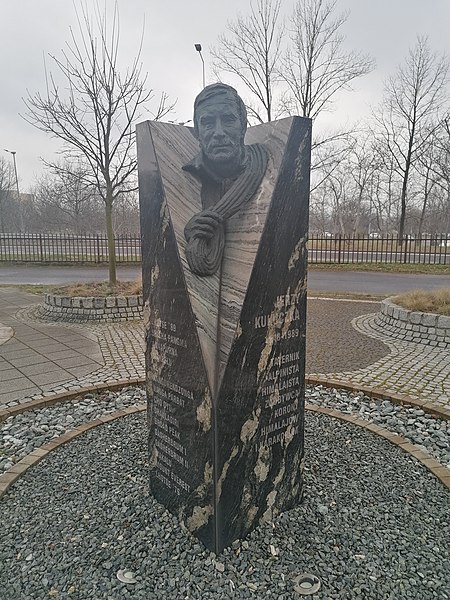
[62,248]
[410,250]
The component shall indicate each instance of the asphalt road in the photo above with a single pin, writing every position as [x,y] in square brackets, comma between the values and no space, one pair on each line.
[367,282]
[358,282]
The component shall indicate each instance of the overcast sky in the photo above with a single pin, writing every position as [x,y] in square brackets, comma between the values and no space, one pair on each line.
[30,29]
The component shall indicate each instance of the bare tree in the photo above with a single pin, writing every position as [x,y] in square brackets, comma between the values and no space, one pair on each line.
[251,52]
[425,170]
[441,171]
[328,151]
[94,116]
[413,98]
[441,165]
[316,65]
[65,196]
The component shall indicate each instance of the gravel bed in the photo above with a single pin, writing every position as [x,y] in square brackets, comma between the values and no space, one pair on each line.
[425,431]
[374,524]
[23,433]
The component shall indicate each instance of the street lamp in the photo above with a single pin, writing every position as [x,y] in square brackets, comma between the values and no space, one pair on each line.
[198,47]
[13,152]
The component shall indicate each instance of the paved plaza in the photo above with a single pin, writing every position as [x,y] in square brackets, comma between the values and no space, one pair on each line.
[39,359]
[417,370]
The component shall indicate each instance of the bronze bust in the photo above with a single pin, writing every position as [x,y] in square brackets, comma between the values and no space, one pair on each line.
[230,173]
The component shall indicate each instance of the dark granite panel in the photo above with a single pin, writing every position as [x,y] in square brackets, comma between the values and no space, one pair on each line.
[259,413]
[179,399]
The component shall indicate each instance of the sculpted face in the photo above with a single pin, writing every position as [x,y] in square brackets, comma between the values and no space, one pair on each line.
[220,130]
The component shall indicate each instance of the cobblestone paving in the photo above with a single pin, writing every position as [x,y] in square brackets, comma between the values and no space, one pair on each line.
[332,344]
[344,343]
[411,368]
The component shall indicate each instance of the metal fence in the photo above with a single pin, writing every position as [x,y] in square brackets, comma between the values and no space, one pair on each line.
[63,248]
[66,248]
[387,250]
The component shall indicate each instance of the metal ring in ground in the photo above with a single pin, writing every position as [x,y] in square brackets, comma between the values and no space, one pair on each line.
[306,584]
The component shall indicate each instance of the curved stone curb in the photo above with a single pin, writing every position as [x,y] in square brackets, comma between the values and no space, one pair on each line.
[357,300]
[415,326]
[13,474]
[439,471]
[378,393]
[80,309]
[370,392]
[63,396]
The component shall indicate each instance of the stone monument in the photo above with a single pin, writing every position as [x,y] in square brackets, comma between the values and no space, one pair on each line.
[224,220]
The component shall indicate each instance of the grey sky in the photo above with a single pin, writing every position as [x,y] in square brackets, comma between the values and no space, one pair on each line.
[31,28]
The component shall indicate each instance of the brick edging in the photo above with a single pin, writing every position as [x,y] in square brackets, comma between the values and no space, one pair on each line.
[16,471]
[12,474]
[438,470]
[97,308]
[372,392]
[415,326]
[63,396]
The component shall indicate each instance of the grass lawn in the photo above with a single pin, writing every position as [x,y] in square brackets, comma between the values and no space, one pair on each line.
[122,288]
[436,301]
[383,268]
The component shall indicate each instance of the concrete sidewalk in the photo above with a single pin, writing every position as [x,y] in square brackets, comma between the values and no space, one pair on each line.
[38,357]
[42,359]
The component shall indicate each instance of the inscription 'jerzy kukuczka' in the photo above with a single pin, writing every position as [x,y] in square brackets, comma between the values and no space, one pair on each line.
[224,218]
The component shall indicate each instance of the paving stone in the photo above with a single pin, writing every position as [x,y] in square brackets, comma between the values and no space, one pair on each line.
[28,361]
[7,375]
[38,368]
[344,340]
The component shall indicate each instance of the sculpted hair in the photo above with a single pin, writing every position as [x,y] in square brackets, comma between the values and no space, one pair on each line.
[218,89]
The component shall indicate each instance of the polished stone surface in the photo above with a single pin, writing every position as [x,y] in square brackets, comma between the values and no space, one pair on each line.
[225,353]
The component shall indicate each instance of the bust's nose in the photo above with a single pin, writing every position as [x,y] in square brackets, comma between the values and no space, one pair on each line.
[218,128]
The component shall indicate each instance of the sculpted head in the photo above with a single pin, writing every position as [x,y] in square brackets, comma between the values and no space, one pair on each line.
[220,122]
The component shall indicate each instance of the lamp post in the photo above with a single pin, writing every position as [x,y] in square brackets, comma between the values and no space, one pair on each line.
[198,47]
[13,152]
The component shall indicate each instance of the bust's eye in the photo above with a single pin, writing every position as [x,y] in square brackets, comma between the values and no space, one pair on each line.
[229,119]
[207,123]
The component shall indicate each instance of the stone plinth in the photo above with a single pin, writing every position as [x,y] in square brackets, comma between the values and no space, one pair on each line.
[225,353]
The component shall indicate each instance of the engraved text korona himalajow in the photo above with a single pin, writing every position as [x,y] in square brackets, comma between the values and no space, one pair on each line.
[225,352]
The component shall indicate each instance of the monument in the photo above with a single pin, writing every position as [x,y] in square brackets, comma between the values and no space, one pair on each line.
[224,220]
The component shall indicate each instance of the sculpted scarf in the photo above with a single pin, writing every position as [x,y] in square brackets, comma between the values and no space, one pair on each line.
[204,255]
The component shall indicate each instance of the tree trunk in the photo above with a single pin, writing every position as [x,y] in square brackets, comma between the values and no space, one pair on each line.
[401,229]
[111,243]
[2,222]
[425,202]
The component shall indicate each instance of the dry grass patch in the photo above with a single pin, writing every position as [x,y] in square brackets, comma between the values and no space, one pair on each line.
[122,288]
[436,301]
[382,268]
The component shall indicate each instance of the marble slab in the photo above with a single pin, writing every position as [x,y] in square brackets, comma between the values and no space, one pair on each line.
[225,353]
